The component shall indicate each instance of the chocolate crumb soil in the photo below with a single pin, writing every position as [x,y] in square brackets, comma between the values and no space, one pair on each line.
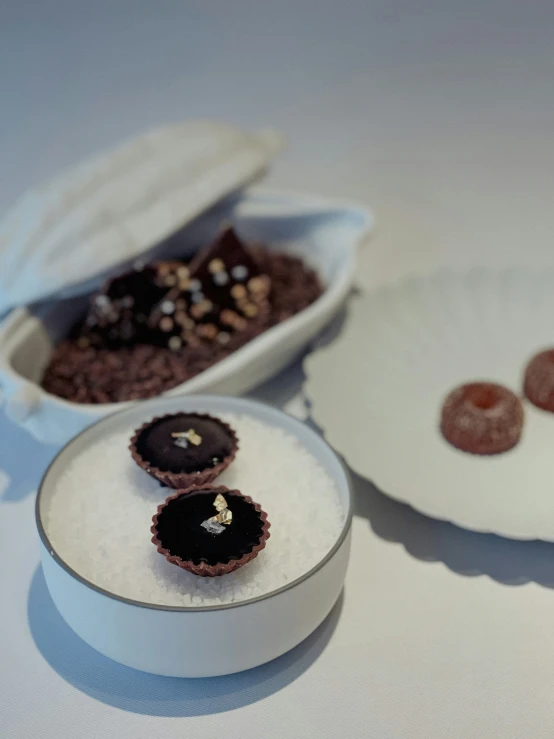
[84,372]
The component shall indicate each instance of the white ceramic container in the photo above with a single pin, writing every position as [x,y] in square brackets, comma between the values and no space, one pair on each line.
[325,233]
[196,642]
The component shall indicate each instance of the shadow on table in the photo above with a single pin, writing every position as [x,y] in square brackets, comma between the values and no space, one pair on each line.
[20,473]
[467,553]
[282,388]
[140,692]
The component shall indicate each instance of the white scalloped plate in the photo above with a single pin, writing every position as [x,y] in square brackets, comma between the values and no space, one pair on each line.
[377,390]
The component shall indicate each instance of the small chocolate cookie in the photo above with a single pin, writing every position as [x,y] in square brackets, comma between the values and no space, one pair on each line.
[181,531]
[184,449]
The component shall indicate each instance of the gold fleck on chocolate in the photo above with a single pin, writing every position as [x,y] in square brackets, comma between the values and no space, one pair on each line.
[223,337]
[166,323]
[228,317]
[164,270]
[200,309]
[259,285]
[181,317]
[224,516]
[194,438]
[220,503]
[238,292]
[175,343]
[240,324]
[187,323]
[183,273]
[250,310]
[196,311]
[184,283]
[208,330]
[216,265]
[170,280]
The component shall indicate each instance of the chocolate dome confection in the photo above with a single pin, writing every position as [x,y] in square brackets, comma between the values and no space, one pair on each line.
[482,418]
[209,531]
[538,383]
[184,449]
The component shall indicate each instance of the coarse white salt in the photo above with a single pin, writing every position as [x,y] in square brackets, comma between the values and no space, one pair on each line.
[100,514]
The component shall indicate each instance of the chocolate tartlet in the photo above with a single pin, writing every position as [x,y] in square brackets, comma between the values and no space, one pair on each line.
[538,382]
[482,418]
[186,533]
[184,449]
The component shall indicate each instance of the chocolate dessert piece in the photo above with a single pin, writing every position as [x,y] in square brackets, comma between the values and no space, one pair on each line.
[226,292]
[186,532]
[119,313]
[230,277]
[184,449]
[157,327]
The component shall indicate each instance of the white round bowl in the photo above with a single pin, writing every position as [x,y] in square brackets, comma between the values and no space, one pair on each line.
[196,642]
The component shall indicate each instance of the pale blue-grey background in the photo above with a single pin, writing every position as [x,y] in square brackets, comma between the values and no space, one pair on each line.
[440,115]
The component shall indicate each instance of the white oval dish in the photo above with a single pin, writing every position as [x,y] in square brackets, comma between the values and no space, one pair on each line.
[402,349]
[115,206]
[324,233]
[169,640]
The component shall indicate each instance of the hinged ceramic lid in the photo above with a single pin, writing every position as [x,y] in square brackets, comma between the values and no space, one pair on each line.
[111,209]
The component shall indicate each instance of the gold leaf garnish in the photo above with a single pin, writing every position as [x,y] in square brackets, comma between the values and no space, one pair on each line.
[194,438]
[216,265]
[220,503]
[225,516]
[189,435]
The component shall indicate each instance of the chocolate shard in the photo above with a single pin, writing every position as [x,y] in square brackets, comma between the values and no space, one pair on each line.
[229,277]
[225,292]
[118,313]
[228,252]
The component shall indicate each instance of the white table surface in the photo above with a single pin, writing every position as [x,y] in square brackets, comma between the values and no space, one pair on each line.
[439,115]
